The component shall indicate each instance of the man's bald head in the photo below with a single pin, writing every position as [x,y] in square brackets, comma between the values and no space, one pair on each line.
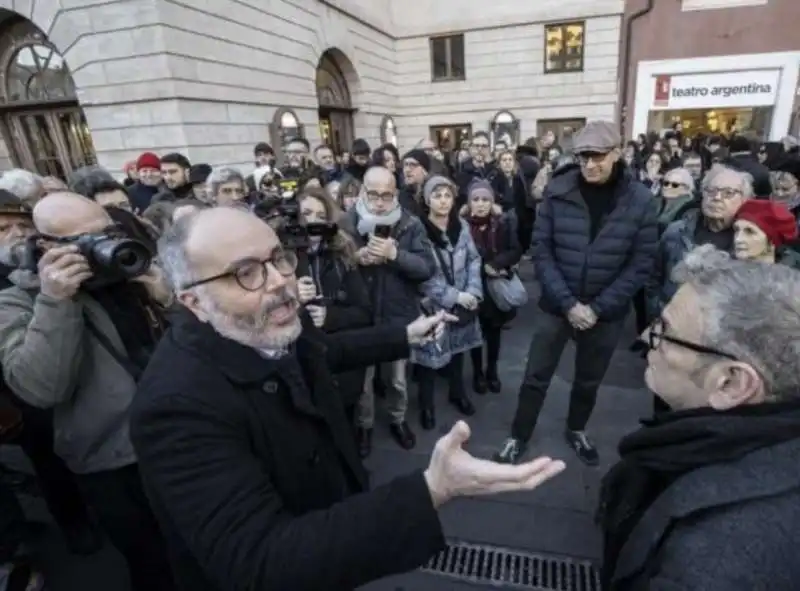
[69,214]
[206,242]
[379,176]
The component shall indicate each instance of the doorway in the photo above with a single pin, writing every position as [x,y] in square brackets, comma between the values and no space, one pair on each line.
[335,104]
[41,122]
[450,138]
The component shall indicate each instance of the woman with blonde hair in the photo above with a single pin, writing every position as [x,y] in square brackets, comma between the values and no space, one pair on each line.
[344,302]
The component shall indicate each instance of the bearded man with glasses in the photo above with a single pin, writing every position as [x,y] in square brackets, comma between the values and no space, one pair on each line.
[245,450]
[707,495]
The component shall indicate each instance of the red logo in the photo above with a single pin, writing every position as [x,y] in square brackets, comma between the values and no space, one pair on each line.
[663,85]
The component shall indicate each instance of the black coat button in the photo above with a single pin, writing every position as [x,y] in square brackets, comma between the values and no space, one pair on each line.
[270,387]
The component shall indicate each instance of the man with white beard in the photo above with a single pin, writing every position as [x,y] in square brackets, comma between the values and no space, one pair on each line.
[244,448]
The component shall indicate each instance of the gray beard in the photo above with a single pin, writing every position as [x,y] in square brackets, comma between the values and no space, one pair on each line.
[11,255]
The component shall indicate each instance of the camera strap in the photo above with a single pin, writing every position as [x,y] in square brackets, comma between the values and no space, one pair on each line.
[127,364]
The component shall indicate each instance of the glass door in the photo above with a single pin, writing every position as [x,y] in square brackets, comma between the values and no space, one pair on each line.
[52,143]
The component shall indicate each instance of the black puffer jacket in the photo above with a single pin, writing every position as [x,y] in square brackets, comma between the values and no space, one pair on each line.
[604,273]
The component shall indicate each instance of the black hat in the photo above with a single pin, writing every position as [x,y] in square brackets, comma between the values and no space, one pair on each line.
[421,158]
[10,204]
[789,165]
[199,173]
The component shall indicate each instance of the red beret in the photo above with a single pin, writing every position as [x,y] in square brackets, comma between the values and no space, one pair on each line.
[774,219]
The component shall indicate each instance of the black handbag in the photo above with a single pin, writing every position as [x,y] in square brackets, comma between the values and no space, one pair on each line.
[465,317]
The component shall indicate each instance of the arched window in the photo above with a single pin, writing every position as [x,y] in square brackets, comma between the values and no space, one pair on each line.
[40,119]
[505,128]
[36,72]
[388,131]
[332,90]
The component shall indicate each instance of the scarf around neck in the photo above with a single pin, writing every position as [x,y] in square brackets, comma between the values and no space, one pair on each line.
[367,221]
[676,443]
[484,233]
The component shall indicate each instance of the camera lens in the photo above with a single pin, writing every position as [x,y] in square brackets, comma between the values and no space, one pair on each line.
[128,258]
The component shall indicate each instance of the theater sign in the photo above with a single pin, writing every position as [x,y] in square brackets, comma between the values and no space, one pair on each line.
[747,88]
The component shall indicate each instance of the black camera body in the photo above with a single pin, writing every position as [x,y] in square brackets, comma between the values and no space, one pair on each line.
[284,216]
[111,259]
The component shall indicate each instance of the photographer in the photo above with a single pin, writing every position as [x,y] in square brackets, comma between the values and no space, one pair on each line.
[246,453]
[77,343]
[333,267]
[395,257]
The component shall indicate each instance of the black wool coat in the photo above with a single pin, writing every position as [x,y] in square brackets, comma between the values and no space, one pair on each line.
[252,470]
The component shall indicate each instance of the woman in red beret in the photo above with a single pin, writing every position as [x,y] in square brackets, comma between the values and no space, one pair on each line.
[762,230]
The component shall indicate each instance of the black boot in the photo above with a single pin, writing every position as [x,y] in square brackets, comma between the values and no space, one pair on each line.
[479,384]
[493,382]
[427,418]
[364,441]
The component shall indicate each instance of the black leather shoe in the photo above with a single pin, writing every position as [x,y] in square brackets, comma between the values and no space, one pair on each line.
[364,441]
[464,405]
[403,435]
[82,539]
[494,384]
[479,384]
[427,419]
[583,447]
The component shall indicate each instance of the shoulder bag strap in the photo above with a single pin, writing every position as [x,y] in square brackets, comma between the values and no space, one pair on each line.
[127,364]
[447,271]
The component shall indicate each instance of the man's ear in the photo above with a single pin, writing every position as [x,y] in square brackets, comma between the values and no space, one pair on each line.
[191,302]
[732,384]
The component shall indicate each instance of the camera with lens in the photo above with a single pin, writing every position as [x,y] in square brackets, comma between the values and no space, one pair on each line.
[112,259]
[283,215]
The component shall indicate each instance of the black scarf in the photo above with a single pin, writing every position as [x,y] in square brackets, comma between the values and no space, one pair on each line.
[673,444]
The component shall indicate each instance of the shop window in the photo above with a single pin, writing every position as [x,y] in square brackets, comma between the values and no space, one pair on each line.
[448,138]
[447,58]
[504,128]
[388,131]
[564,47]
[561,128]
[688,5]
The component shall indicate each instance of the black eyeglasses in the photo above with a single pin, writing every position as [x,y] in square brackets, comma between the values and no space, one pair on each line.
[656,334]
[251,274]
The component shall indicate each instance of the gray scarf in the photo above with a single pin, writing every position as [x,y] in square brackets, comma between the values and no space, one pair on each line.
[367,221]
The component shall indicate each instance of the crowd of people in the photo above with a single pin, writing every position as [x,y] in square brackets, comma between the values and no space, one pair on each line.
[192,356]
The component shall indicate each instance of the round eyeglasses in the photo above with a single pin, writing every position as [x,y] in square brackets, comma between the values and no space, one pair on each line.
[252,274]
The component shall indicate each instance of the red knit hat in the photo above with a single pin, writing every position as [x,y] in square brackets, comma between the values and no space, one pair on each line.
[774,219]
[148,160]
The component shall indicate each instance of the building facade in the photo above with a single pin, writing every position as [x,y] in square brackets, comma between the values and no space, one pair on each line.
[89,80]
[714,65]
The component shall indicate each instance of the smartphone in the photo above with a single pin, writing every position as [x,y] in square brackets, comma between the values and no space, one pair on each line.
[383,231]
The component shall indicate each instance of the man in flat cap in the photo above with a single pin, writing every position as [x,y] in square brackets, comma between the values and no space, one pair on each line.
[594,243]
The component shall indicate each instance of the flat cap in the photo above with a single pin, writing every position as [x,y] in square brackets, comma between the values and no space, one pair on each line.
[11,204]
[598,137]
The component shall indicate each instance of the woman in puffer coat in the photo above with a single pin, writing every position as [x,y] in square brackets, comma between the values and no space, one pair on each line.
[455,287]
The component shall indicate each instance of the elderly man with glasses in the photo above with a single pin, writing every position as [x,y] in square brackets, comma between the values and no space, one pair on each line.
[707,495]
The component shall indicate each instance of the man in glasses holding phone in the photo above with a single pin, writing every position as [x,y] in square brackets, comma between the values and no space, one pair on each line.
[395,257]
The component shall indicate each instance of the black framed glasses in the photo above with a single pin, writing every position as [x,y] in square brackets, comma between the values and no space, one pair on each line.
[724,193]
[657,333]
[252,274]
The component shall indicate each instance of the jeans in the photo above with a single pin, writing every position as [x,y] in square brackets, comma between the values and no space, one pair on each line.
[124,513]
[396,394]
[453,372]
[594,349]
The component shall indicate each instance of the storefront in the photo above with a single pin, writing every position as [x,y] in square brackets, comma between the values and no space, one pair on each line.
[747,93]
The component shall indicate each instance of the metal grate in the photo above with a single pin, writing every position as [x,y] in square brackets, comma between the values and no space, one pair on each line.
[477,563]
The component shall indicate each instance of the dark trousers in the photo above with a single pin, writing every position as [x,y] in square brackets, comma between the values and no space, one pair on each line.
[123,511]
[640,310]
[594,349]
[57,483]
[453,372]
[491,344]
[11,522]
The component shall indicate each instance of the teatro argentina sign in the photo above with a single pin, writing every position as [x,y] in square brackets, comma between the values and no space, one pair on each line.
[752,88]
